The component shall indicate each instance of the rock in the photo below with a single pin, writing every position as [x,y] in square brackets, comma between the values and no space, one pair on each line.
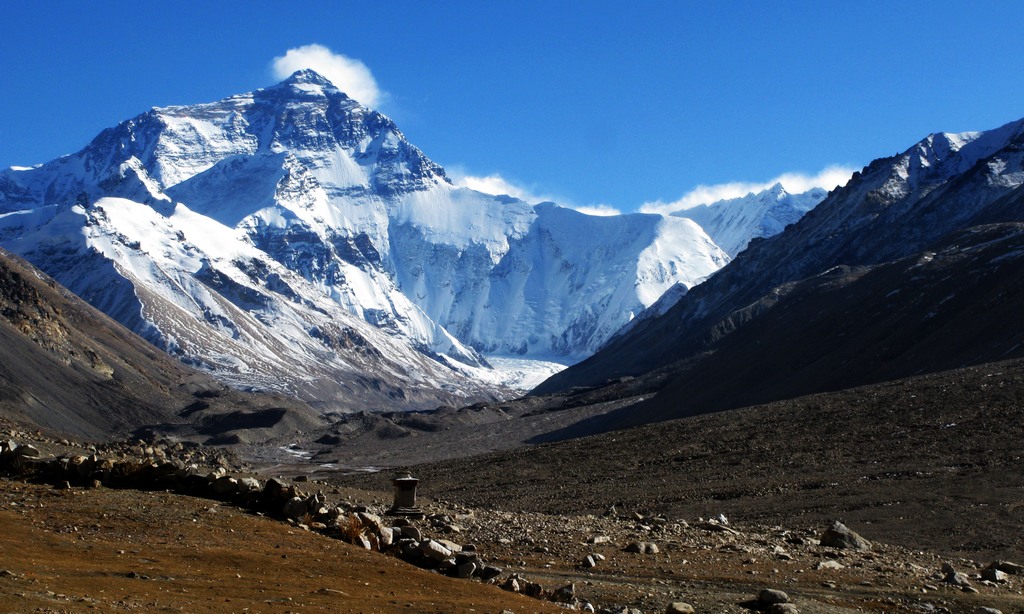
[26,450]
[717,527]
[829,564]
[839,536]
[984,610]
[225,485]
[433,550]
[410,532]
[679,607]
[642,548]
[450,545]
[294,508]
[564,594]
[957,579]
[771,595]
[465,570]
[993,575]
[490,572]
[782,608]
[589,562]
[1008,567]
[247,485]
[599,539]
[533,589]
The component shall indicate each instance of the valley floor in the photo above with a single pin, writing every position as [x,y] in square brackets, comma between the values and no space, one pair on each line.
[925,468]
[101,549]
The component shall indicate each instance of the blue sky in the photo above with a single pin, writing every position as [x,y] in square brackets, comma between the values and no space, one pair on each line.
[620,105]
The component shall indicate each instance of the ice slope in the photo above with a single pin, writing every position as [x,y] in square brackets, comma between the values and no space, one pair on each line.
[290,238]
[732,223]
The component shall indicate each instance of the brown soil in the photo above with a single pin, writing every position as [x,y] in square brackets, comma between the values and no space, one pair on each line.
[89,550]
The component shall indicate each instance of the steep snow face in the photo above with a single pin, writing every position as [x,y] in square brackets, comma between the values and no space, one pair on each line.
[732,223]
[290,238]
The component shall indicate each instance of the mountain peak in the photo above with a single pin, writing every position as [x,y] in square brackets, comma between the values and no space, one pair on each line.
[307,76]
[307,82]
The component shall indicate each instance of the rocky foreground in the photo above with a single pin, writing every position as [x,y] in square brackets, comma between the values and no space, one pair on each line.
[78,503]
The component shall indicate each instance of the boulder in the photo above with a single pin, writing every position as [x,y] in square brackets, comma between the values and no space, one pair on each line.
[225,486]
[450,545]
[839,536]
[679,607]
[247,485]
[533,589]
[1008,567]
[410,532]
[433,550]
[372,522]
[387,537]
[957,579]
[771,595]
[490,572]
[294,508]
[26,450]
[564,594]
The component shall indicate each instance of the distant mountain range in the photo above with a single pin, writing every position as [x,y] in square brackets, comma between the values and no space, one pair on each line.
[734,222]
[291,240]
[914,266]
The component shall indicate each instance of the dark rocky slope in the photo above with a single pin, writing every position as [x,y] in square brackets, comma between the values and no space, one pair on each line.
[67,368]
[930,462]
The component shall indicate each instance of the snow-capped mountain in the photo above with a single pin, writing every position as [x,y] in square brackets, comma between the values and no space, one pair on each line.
[733,222]
[290,238]
[894,208]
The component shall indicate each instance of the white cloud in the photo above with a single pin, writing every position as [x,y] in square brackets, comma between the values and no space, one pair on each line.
[492,184]
[828,178]
[602,210]
[347,74]
[497,185]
